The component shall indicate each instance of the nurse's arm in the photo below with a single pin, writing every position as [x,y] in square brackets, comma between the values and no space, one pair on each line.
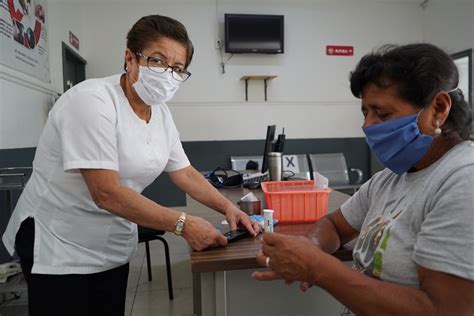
[193,183]
[109,194]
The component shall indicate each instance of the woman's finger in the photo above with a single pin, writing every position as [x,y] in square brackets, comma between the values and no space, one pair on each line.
[261,259]
[256,228]
[304,286]
[265,276]
[248,225]
[232,222]
[271,238]
[221,240]
[267,250]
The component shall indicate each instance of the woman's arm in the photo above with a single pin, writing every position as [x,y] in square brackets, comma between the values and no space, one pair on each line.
[109,194]
[297,259]
[331,232]
[192,182]
[439,293]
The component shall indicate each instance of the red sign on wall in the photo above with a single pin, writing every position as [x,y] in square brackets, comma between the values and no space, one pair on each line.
[334,50]
[73,40]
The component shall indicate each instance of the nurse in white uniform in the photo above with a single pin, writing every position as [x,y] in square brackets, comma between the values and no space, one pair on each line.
[75,225]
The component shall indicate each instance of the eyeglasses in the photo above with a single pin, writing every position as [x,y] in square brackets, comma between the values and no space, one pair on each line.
[159,66]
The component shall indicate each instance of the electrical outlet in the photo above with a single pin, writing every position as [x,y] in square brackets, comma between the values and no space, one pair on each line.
[218,44]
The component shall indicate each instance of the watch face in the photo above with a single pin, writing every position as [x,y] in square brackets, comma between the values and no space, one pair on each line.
[179,226]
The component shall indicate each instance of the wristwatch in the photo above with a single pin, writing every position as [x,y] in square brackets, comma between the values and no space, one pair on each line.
[179,226]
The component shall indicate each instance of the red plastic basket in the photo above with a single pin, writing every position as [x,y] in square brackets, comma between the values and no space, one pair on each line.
[296,201]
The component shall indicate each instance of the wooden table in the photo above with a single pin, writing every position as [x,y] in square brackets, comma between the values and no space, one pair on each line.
[241,254]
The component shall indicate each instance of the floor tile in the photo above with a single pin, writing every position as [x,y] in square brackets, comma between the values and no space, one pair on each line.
[157,303]
[16,310]
[180,271]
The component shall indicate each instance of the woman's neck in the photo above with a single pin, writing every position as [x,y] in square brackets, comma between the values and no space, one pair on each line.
[440,146]
[142,110]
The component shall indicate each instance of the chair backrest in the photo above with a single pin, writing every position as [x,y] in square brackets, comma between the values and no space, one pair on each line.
[12,181]
[239,163]
[14,178]
[298,164]
[333,166]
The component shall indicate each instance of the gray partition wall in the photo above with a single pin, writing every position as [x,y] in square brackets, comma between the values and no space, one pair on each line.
[207,155]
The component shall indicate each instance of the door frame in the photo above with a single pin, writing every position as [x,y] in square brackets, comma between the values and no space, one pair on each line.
[66,50]
[467,54]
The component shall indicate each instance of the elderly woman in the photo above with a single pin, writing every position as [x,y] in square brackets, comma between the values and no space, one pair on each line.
[74,227]
[414,220]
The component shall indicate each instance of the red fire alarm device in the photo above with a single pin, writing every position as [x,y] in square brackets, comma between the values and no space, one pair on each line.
[333,50]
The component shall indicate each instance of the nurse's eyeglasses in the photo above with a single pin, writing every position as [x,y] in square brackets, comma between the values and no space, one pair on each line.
[159,66]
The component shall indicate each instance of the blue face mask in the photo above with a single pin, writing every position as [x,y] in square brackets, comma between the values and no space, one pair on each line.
[398,143]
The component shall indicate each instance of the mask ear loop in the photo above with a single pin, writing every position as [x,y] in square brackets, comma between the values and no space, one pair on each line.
[418,115]
[438,129]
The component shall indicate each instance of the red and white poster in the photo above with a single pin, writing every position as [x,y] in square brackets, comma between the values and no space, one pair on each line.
[334,50]
[23,37]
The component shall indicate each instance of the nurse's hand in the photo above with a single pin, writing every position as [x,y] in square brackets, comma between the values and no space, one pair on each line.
[200,234]
[236,217]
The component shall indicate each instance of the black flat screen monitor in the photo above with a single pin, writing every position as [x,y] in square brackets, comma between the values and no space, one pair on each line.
[252,33]
[269,146]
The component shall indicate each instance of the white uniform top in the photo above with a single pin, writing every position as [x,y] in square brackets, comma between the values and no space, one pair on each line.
[92,126]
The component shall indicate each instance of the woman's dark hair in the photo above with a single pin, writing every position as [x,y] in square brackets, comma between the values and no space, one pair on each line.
[418,72]
[153,27]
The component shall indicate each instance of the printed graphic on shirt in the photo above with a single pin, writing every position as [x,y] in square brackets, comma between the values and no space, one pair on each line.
[370,248]
[372,243]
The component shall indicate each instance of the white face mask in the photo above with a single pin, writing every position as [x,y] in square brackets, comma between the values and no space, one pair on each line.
[155,88]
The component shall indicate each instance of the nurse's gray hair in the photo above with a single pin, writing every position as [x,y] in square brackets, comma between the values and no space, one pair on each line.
[153,27]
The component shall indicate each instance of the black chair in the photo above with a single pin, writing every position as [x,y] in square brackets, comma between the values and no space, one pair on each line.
[145,235]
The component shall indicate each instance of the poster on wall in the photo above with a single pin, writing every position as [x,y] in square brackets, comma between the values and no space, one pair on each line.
[23,37]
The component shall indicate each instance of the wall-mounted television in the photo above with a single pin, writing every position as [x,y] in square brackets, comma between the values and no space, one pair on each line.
[254,33]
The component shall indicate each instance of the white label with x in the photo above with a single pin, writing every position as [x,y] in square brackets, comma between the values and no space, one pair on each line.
[290,163]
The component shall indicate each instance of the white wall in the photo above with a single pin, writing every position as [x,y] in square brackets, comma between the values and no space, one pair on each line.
[24,105]
[449,24]
[64,16]
[310,97]
[452,34]
[25,100]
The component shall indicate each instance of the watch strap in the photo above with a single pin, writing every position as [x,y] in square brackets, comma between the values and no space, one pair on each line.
[179,225]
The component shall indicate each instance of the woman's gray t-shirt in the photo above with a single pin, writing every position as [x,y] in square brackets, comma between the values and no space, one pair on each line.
[423,218]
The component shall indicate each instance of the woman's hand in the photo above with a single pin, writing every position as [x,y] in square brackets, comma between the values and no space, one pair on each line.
[292,258]
[200,234]
[237,217]
[304,286]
